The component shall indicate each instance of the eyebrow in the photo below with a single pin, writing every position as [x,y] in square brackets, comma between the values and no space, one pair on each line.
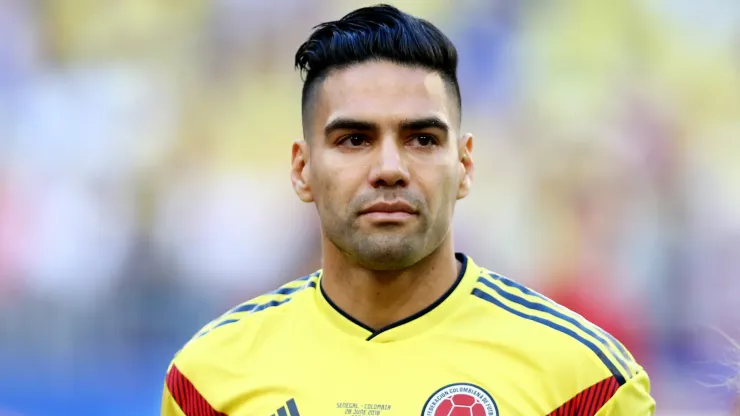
[425,123]
[348,124]
[411,124]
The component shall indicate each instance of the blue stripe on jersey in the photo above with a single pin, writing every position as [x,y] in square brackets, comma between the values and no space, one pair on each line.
[226,322]
[257,307]
[254,307]
[547,309]
[292,408]
[528,291]
[289,290]
[609,365]
[285,290]
[281,412]
[269,304]
[616,342]
[222,323]
[244,308]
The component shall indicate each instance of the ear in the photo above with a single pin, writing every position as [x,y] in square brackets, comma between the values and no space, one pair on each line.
[300,169]
[467,167]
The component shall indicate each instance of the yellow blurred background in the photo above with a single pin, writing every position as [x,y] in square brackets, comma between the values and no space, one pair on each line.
[144,155]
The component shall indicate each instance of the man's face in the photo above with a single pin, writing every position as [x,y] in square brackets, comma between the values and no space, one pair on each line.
[383,163]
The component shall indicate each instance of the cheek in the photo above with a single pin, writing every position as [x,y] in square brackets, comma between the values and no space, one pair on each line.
[329,193]
[333,193]
[440,185]
[341,179]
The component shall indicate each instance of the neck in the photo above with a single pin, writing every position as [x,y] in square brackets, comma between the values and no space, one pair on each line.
[380,298]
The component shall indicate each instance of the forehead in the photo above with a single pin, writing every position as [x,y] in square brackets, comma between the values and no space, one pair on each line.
[383,92]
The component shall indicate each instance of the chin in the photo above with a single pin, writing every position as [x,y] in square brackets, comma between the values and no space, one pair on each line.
[384,264]
[387,252]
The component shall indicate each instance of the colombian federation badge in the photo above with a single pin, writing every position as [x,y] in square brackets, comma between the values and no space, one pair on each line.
[460,399]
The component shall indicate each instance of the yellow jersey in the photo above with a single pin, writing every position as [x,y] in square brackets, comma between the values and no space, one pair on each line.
[488,347]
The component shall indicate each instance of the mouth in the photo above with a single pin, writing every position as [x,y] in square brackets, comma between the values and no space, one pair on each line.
[393,211]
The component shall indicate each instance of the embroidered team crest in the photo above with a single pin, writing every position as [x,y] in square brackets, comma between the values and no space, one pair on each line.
[460,399]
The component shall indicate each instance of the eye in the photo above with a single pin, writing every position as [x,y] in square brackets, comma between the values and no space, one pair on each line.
[423,140]
[353,140]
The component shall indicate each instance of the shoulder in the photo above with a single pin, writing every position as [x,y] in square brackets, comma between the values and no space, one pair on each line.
[570,343]
[238,327]
[206,369]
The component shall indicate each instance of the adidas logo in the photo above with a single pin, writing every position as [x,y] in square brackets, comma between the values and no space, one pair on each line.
[290,409]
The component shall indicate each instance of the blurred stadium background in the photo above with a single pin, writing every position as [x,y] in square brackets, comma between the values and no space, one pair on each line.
[144,148]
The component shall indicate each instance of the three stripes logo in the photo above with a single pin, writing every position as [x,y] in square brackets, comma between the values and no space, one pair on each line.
[290,409]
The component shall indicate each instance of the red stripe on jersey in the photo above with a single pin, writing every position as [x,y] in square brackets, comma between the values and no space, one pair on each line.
[191,402]
[590,400]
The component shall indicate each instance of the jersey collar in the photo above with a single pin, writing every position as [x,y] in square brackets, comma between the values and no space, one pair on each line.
[418,323]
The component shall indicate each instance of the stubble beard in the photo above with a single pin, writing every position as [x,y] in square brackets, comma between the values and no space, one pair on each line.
[385,248]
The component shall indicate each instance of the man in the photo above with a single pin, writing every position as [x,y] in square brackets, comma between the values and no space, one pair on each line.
[396,322]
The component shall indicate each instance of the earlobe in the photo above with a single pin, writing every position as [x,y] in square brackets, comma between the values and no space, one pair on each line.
[299,171]
[466,166]
[464,188]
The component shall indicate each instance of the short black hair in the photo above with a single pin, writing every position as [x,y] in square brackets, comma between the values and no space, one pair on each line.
[380,32]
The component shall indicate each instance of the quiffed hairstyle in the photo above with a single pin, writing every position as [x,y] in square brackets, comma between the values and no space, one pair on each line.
[379,32]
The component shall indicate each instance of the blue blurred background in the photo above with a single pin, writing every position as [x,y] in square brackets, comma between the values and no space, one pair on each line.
[144,154]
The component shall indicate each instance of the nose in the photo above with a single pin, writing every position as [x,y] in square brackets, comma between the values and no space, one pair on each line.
[390,169]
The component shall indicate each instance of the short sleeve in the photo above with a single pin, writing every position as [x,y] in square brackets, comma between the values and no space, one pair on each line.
[631,399]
